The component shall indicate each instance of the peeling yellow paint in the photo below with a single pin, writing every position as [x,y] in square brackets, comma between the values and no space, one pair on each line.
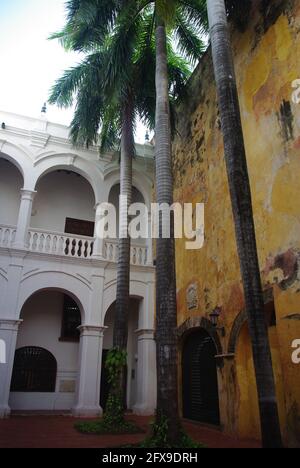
[283,38]
[265,73]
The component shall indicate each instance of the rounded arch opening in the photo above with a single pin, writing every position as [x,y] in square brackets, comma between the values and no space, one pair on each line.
[65,202]
[59,291]
[200,395]
[50,321]
[132,350]
[11,183]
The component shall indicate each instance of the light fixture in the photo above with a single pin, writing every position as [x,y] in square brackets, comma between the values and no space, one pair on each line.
[214,318]
[3,126]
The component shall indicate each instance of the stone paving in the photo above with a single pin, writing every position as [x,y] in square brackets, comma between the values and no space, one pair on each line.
[58,432]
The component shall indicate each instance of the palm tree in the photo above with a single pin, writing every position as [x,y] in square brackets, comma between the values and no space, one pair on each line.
[239,185]
[114,84]
[186,19]
[166,301]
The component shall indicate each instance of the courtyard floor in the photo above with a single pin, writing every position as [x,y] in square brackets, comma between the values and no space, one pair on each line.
[59,432]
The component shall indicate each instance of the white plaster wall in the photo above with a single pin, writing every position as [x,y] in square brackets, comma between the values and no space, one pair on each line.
[132,347]
[3,283]
[42,316]
[60,196]
[11,183]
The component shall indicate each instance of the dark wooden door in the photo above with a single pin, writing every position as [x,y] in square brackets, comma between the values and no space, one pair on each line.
[200,385]
[104,389]
[79,227]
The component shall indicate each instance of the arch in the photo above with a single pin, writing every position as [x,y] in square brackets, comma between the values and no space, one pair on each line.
[11,184]
[34,370]
[141,182]
[63,195]
[19,158]
[241,319]
[71,162]
[238,323]
[194,323]
[13,163]
[136,191]
[69,284]
[138,290]
[200,394]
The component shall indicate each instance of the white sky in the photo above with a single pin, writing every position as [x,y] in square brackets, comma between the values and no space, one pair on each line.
[29,63]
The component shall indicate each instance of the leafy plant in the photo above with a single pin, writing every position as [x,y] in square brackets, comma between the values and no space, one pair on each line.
[159,437]
[116,361]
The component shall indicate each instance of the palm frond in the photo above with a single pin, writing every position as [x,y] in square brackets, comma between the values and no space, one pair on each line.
[189,42]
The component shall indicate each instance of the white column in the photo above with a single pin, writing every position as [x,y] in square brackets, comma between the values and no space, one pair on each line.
[89,374]
[98,249]
[8,339]
[146,374]
[21,240]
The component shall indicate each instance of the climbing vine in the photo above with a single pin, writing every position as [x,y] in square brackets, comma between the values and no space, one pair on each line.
[113,421]
[115,362]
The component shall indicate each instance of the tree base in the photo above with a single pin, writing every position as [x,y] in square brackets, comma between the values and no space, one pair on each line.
[162,437]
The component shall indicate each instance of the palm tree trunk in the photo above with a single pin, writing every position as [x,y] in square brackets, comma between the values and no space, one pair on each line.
[120,335]
[239,185]
[166,307]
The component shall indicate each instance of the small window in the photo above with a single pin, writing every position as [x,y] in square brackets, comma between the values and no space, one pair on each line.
[71,320]
[34,371]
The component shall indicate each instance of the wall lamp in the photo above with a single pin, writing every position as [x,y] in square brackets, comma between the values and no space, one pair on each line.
[214,318]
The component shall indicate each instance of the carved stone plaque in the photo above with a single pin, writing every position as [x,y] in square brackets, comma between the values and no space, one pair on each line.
[67,386]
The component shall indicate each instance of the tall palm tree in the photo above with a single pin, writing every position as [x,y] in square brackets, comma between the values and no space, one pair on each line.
[239,185]
[183,20]
[114,84]
[166,301]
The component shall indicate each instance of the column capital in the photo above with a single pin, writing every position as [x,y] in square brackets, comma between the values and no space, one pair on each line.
[8,324]
[92,330]
[27,194]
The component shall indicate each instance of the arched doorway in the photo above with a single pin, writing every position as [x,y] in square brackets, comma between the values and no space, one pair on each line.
[199,376]
[46,358]
[132,350]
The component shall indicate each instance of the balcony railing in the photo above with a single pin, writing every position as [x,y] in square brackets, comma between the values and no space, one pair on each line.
[7,235]
[60,244]
[138,254]
[69,245]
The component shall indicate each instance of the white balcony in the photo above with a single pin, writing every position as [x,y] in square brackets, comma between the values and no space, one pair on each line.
[66,245]
[7,235]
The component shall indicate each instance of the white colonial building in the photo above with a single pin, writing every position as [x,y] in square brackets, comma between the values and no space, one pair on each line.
[55,277]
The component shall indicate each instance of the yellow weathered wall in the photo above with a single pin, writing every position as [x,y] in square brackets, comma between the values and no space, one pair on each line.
[267,60]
